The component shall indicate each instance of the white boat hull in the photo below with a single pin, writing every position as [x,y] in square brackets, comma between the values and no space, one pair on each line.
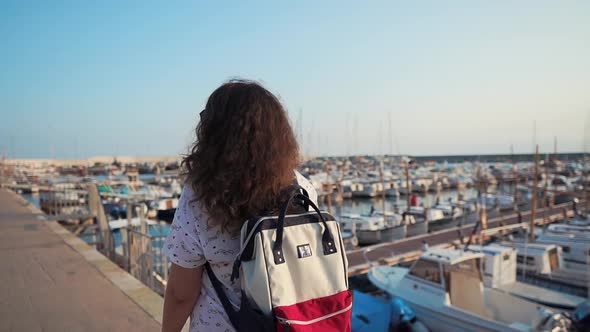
[417,228]
[444,318]
[441,224]
[389,234]
[545,297]
[457,320]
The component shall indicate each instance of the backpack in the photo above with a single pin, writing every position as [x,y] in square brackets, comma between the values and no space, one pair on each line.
[293,272]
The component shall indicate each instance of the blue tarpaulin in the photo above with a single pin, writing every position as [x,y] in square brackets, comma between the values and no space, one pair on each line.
[370,314]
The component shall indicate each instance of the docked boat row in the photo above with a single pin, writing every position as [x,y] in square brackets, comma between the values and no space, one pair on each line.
[378,226]
[516,282]
[500,267]
[371,176]
[513,283]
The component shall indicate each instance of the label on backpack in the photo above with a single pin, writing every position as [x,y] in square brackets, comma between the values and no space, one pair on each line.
[304,250]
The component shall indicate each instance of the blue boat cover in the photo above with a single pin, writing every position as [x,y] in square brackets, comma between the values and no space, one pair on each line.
[401,312]
[370,314]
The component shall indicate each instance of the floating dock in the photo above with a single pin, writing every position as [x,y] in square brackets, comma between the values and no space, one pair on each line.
[360,260]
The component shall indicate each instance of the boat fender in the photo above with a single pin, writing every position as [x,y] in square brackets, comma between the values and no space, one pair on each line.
[354,241]
[403,318]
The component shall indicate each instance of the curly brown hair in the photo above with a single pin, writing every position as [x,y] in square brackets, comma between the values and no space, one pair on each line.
[244,154]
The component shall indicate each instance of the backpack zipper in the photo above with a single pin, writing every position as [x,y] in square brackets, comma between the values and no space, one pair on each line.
[290,322]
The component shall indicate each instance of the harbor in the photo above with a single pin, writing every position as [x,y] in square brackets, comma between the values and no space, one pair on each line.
[392,211]
[295,166]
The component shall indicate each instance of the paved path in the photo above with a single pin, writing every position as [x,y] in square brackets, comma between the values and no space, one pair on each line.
[46,285]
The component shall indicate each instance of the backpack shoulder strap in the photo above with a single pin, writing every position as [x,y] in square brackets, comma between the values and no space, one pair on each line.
[232,314]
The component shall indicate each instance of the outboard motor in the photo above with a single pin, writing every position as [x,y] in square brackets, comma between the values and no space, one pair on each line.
[403,318]
[581,316]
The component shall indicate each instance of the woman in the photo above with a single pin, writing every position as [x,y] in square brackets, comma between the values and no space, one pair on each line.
[244,155]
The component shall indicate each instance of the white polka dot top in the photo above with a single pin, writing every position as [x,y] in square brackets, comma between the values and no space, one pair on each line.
[191,242]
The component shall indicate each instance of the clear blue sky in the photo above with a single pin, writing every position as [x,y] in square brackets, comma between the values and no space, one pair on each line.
[86,78]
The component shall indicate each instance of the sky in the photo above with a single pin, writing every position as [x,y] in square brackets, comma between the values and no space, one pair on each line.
[81,79]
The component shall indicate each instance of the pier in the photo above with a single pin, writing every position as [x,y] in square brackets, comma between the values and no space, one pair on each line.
[52,281]
[360,260]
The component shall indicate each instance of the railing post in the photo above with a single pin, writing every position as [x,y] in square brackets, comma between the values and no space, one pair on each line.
[94,237]
[128,250]
[132,244]
[124,246]
[54,203]
[165,266]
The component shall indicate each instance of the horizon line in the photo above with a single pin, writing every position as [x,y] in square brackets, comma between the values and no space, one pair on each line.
[306,156]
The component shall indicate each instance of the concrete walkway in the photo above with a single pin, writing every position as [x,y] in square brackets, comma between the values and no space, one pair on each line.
[46,284]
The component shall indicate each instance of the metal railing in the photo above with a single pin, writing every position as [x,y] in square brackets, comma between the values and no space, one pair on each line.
[142,256]
[58,201]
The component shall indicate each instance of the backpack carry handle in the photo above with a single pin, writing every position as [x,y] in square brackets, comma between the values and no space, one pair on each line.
[247,249]
[328,244]
[289,192]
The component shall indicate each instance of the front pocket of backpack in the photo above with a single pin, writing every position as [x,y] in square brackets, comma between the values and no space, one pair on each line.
[330,314]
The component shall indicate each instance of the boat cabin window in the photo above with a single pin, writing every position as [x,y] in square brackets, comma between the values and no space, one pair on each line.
[529,260]
[565,249]
[553,259]
[427,270]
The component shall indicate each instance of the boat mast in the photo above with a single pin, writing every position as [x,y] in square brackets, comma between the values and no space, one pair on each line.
[585,180]
[534,200]
[347,135]
[382,191]
[390,134]
[554,148]
[585,173]
[328,188]
[393,183]
[355,135]
[483,192]
[515,178]
[545,193]
[408,188]
[391,143]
